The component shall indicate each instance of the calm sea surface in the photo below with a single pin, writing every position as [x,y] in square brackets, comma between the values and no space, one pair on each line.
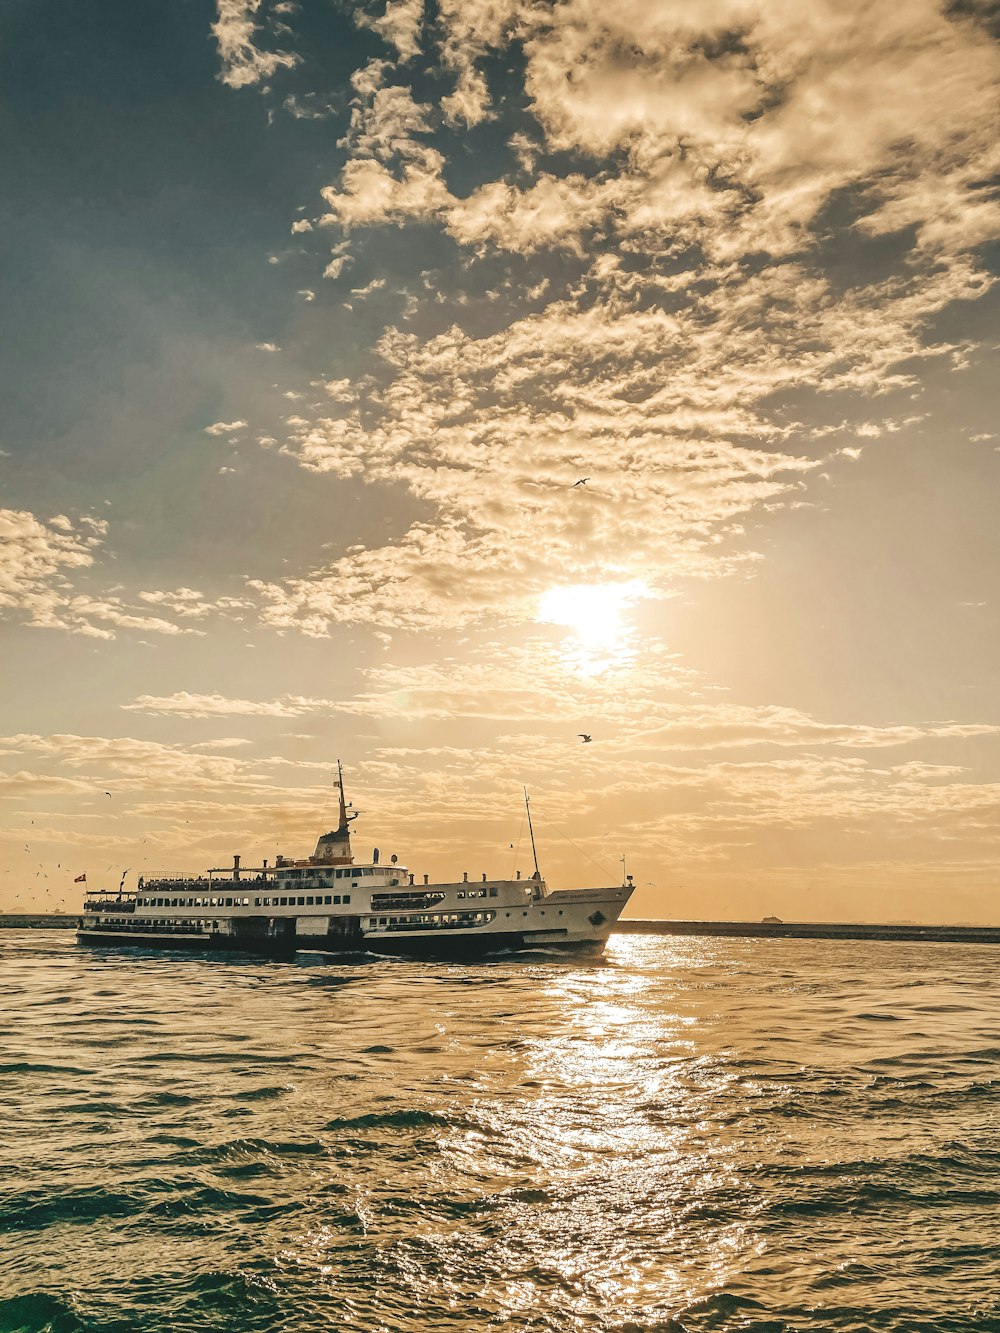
[685,1135]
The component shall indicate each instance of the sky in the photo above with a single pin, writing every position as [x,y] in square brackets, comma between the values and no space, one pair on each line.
[429,385]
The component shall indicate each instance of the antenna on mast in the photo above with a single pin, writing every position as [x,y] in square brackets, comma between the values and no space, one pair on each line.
[345,818]
[534,853]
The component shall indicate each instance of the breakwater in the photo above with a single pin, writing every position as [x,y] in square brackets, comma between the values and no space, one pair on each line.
[814,930]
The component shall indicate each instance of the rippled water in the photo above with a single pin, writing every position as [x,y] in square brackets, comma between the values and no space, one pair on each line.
[685,1135]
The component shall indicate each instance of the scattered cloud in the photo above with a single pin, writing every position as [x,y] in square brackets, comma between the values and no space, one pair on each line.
[236,30]
[189,604]
[399,25]
[39,564]
[226,428]
[183,704]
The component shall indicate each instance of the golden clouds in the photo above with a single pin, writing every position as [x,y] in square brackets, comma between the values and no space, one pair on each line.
[236,30]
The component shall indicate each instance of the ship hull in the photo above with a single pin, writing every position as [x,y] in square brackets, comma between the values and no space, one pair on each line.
[410,946]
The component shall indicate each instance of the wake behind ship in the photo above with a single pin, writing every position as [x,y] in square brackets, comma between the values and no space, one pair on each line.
[328,902]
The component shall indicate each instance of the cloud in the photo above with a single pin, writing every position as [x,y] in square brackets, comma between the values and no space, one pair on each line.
[137,765]
[729,127]
[189,604]
[15,786]
[35,556]
[361,293]
[469,104]
[243,62]
[38,564]
[637,698]
[183,704]
[222,743]
[661,407]
[225,428]
[399,25]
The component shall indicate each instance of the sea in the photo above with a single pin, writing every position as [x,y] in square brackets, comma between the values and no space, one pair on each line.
[682,1135]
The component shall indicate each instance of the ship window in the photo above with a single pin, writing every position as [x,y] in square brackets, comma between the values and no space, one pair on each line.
[284,902]
[493,893]
[302,902]
[461,893]
[328,900]
[256,902]
[197,902]
[560,911]
[309,902]
[229,902]
[346,898]
[336,897]
[383,921]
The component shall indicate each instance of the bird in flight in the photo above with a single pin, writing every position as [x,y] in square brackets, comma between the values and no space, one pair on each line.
[584,737]
[107,793]
[582,482]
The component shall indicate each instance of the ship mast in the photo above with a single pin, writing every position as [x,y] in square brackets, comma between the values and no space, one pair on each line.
[345,818]
[343,804]
[534,853]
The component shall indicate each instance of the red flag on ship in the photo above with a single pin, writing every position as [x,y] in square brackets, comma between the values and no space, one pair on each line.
[81,879]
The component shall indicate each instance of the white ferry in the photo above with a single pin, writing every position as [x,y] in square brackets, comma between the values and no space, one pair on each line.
[328,902]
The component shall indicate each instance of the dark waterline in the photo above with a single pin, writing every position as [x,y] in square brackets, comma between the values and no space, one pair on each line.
[689,1134]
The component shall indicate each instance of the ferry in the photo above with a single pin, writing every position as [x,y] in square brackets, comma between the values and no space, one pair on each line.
[330,903]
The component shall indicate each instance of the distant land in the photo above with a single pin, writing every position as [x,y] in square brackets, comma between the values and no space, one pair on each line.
[814,930]
[39,920]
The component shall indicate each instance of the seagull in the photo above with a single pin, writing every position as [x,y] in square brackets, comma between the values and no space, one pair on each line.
[107,793]
[584,737]
[582,482]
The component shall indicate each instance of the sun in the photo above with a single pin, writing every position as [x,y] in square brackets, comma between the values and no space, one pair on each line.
[593,611]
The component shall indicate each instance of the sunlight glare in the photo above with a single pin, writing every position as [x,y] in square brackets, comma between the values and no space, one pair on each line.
[593,612]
